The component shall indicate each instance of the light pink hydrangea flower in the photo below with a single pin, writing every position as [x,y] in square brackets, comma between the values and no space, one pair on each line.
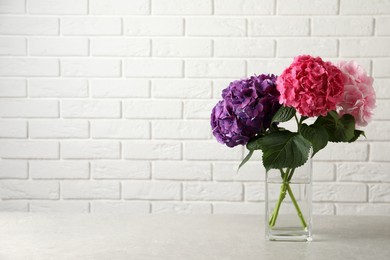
[310,85]
[359,94]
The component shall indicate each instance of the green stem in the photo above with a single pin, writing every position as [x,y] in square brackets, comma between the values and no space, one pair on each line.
[282,195]
[286,176]
[300,215]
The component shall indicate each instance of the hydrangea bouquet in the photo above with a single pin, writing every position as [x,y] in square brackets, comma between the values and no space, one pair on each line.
[338,98]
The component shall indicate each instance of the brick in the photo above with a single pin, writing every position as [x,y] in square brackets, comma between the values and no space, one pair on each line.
[58,46]
[279,26]
[210,150]
[28,108]
[11,189]
[323,209]
[90,189]
[28,67]
[153,150]
[381,68]
[58,7]
[363,7]
[120,170]
[272,66]
[378,130]
[13,169]
[169,129]
[314,47]
[179,47]
[342,26]
[380,151]
[13,206]
[153,26]
[158,109]
[344,152]
[379,192]
[153,68]
[363,172]
[119,88]
[339,192]
[238,208]
[90,68]
[90,150]
[198,109]
[119,7]
[166,170]
[244,48]
[180,208]
[382,110]
[251,171]
[182,7]
[90,109]
[59,169]
[214,68]
[13,46]
[307,7]
[382,88]
[13,129]
[215,26]
[363,209]
[59,207]
[213,191]
[254,192]
[123,129]
[13,6]
[91,26]
[61,88]
[375,47]
[146,190]
[58,129]
[120,207]
[243,7]
[123,47]
[29,149]
[13,88]
[323,171]
[24,25]
[181,88]
[382,25]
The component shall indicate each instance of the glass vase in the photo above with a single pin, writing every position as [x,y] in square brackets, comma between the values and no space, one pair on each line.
[288,204]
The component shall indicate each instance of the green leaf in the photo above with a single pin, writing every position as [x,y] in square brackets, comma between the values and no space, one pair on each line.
[284,114]
[316,135]
[357,133]
[246,159]
[338,129]
[254,143]
[284,149]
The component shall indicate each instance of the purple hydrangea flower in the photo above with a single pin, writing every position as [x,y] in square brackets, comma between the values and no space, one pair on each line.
[246,109]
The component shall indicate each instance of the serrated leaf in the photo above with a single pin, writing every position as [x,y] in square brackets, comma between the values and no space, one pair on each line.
[283,114]
[316,135]
[246,159]
[357,133]
[284,149]
[338,129]
[254,143]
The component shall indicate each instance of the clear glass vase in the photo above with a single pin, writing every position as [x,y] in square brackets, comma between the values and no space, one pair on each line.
[288,204]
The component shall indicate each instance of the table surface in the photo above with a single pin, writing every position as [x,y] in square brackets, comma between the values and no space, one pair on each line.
[96,236]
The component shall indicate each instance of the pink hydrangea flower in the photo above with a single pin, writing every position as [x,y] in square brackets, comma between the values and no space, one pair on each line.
[359,94]
[310,85]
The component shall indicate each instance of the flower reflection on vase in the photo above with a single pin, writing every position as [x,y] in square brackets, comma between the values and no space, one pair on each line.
[252,112]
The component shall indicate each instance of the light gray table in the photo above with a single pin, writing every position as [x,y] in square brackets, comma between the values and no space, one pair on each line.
[94,236]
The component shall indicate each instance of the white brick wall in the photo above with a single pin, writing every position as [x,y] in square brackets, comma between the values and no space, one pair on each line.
[105,105]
